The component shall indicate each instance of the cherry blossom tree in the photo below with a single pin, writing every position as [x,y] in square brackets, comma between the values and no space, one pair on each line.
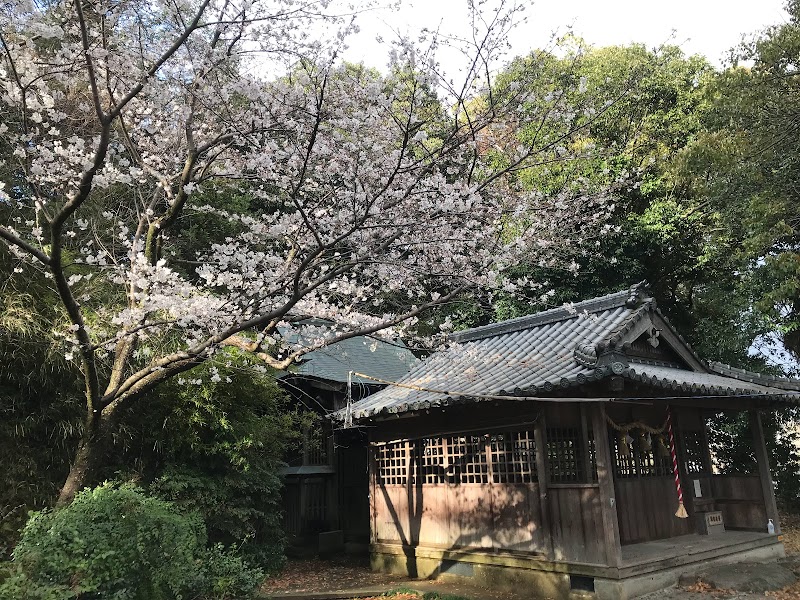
[367,199]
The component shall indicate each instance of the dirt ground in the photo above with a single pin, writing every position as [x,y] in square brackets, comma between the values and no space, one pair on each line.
[343,573]
[316,575]
[348,573]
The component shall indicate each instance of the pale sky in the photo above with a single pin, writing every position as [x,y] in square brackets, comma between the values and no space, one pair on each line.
[708,27]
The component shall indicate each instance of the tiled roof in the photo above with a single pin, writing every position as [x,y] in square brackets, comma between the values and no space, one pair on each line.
[538,354]
[370,356]
[703,384]
[783,383]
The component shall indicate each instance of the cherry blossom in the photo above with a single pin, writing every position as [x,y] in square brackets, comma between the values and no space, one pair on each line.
[370,198]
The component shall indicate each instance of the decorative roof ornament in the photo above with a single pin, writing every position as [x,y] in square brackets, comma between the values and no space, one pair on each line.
[585,354]
[638,293]
[653,336]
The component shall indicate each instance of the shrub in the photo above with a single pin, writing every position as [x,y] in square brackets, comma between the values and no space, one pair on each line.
[227,577]
[111,542]
[218,453]
[115,543]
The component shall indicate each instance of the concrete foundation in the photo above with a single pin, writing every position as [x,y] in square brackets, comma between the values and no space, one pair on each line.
[646,573]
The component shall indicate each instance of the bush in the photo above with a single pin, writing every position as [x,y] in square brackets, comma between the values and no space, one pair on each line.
[226,577]
[115,543]
[218,453]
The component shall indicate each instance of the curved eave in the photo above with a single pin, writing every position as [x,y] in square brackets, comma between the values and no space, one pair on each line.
[545,390]
[681,382]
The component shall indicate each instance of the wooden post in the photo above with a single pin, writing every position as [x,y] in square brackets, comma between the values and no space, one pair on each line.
[302,484]
[764,475]
[707,458]
[540,438]
[605,477]
[372,471]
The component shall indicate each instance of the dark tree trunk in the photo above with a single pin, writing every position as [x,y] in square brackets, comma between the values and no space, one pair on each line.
[85,469]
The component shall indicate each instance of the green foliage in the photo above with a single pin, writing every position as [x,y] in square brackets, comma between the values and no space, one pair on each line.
[438,596]
[400,590]
[116,543]
[113,543]
[404,591]
[638,111]
[226,576]
[40,407]
[217,450]
[745,168]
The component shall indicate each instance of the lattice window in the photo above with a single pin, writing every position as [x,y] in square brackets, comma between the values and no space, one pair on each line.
[693,447]
[639,462]
[651,463]
[592,456]
[391,461]
[317,447]
[467,457]
[624,465]
[316,505]
[565,455]
[430,465]
[513,457]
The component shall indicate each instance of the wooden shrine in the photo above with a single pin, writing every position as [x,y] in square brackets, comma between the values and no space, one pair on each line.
[537,452]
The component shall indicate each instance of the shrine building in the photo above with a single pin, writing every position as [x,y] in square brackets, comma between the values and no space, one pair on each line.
[568,451]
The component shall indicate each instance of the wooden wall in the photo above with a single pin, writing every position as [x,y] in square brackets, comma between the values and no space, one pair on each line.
[548,516]
[646,510]
[741,501]
[646,505]
[495,516]
[576,523]
[561,521]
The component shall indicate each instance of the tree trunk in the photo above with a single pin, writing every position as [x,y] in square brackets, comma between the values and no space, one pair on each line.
[86,465]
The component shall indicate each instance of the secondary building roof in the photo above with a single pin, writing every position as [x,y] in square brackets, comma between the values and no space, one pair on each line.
[376,358]
[622,334]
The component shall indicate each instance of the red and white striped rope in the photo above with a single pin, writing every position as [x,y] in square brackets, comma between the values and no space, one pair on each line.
[675,470]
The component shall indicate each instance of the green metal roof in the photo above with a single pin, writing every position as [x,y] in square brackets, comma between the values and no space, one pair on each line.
[384,360]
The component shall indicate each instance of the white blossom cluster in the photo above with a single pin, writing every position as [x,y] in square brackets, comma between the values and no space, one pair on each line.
[368,199]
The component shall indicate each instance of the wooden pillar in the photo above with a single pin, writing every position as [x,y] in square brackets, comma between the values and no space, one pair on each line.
[707,458]
[540,438]
[302,485]
[372,473]
[764,475]
[605,477]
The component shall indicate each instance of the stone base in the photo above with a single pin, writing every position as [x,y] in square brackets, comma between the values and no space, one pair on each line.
[632,587]
[556,580]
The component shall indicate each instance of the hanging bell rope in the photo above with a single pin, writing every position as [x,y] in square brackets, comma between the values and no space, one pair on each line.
[661,446]
[681,512]
[622,444]
[645,446]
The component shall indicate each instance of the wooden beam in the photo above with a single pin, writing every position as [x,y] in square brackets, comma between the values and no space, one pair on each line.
[540,438]
[605,477]
[760,447]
